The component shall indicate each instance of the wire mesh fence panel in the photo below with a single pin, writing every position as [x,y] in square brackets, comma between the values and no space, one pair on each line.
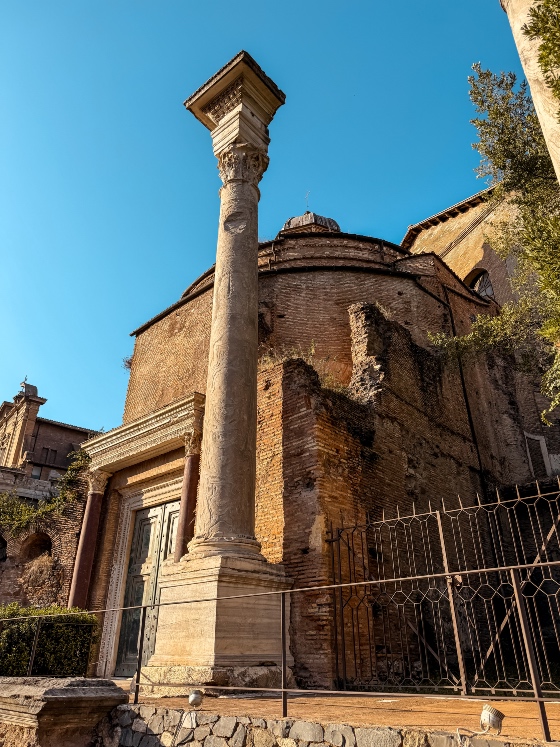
[407,629]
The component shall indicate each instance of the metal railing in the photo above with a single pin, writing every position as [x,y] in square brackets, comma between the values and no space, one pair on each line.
[461,602]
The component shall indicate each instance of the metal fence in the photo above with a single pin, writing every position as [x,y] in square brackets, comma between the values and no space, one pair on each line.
[461,602]
[438,602]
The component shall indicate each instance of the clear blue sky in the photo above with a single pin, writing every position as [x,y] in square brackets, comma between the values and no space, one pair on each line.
[109,189]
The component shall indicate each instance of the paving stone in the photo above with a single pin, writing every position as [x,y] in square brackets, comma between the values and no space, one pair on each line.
[340,735]
[378,738]
[225,726]
[306,731]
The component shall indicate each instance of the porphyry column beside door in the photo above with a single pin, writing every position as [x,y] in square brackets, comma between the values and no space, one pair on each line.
[88,537]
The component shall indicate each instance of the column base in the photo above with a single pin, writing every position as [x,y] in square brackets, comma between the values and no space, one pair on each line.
[219,635]
[180,680]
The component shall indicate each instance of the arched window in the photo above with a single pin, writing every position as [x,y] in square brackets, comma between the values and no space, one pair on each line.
[35,545]
[3,549]
[479,281]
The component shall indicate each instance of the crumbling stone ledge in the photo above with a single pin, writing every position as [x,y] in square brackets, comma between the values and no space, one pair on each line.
[150,726]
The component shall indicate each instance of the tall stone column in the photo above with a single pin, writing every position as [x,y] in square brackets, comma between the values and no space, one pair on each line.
[546,104]
[88,538]
[218,637]
[236,105]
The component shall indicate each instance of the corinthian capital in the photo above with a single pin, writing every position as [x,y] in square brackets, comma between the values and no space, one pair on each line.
[242,162]
[193,441]
[97,480]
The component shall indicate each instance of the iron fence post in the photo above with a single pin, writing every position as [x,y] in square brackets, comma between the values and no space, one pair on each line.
[458,647]
[531,658]
[283,637]
[34,647]
[140,653]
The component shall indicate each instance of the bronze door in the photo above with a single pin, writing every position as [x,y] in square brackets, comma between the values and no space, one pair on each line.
[153,541]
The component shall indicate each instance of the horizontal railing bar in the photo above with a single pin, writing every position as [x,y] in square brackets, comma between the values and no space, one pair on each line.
[464,509]
[401,579]
[352,693]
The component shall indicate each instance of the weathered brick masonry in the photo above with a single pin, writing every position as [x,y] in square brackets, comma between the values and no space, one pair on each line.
[358,414]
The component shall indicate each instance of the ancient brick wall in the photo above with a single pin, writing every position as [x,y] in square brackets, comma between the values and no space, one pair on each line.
[37,569]
[170,358]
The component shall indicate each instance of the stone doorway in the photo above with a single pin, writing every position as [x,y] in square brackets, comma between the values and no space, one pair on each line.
[153,541]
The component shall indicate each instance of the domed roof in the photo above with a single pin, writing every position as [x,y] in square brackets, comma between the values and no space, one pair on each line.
[310,222]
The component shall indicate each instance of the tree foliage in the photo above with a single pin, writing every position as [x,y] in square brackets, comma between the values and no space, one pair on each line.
[63,646]
[17,514]
[544,26]
[515,161]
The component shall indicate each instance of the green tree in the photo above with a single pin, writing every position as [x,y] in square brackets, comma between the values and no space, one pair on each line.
[516,162]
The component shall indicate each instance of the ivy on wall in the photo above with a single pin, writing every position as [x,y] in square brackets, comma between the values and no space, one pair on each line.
[17,514]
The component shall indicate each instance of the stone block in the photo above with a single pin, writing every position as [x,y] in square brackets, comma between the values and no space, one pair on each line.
[225,726]
[126,738]
[155,724]
[281,727]
[139,724]
[185,735]
[146,712]
[378,738]
[416,739]
[262,738]
[260,723]
[54,711]
[201,732]
[125,718]
[340,735]
[239,736]
[172,718]
[166,739]
[286,742]
[149,740]
[306,731]
[205,718]
[213,741]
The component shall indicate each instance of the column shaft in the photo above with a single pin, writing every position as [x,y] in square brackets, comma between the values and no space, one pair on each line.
[185,522]
[226,505]
[88,539]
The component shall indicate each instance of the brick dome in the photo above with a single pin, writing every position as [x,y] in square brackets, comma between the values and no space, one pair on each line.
[310,222]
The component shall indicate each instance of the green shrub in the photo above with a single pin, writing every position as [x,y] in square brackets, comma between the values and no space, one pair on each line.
[63,646]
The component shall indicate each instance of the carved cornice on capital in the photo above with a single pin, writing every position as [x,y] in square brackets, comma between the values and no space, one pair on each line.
[193,442]
[242,162]
[97,480]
